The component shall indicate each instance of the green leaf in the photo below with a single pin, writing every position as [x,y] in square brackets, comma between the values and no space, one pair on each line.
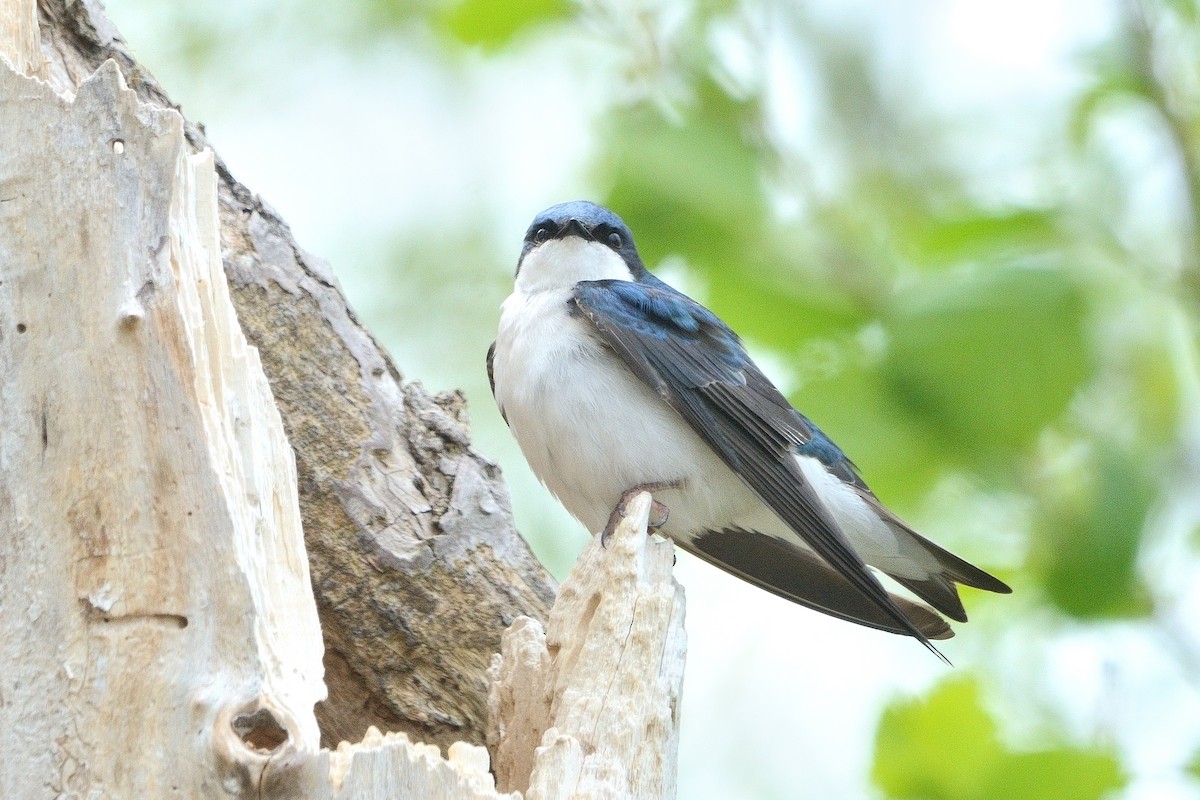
[1152,373]
[978,236]
[1089,532]
[1187,10]
[945,747]
[786,321]
[1110,90]
[986,361]
[491,25]
[1193,768]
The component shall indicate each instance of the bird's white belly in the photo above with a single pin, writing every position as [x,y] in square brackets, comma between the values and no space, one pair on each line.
[590,429]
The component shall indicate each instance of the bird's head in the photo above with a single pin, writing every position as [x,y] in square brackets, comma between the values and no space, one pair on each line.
[576,241]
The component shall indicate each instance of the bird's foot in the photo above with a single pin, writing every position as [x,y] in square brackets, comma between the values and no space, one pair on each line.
[658,511]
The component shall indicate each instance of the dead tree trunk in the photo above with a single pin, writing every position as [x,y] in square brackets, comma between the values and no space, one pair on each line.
[416,564]
[163,341]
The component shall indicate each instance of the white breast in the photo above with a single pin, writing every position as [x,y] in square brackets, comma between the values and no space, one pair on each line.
[590,429]
[561,263]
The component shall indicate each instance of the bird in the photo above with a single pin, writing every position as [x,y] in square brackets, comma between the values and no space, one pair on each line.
[613,382]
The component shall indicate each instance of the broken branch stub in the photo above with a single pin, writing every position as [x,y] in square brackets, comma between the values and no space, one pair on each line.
[590,706]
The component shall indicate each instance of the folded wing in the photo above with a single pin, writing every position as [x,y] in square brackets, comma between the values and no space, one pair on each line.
[699,367]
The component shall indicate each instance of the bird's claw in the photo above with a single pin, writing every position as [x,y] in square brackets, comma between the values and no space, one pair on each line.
[658,511]
[658,515]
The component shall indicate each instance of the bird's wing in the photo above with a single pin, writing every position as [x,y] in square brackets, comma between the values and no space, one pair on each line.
[800,576]
[491,359]
[699,367]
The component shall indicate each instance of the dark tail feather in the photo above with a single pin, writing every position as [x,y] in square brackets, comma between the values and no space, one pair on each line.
[802,577]
[939,589]
[939,592]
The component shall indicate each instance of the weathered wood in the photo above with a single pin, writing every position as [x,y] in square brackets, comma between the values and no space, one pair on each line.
[19,42]
[416,564]
[598,692]
[160,635]
[154,587]
[387,766]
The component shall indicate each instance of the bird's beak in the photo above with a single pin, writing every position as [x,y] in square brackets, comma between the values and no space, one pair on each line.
[577,228]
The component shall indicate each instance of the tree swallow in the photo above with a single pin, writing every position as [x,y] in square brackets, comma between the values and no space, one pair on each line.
[613,382]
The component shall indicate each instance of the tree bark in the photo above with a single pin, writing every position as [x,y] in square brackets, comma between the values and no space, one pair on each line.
[416,564]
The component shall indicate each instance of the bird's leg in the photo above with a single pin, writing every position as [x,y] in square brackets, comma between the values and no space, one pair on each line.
[658,511]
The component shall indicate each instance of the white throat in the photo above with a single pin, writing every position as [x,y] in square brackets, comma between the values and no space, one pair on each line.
[562,263]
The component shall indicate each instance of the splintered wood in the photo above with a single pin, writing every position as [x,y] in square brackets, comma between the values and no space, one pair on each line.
[589,708]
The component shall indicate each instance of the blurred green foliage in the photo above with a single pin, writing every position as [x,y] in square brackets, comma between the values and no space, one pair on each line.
[945,747]
[490,25]
[712,209]
[933,242]
[986,360]
[1091,527]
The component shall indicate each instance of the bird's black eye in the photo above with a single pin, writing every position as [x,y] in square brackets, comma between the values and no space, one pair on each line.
[541,234]
[615,241]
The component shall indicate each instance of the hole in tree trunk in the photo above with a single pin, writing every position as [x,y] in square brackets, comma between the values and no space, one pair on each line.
[260,730]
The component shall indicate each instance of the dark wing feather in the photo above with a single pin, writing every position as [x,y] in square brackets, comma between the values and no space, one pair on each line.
[491,358]
[938,588]
[699,367]
[798,575]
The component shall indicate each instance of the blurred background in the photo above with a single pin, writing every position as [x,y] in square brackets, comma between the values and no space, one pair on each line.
[961,236]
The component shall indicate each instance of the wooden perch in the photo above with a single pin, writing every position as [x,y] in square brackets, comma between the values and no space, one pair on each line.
[161,636]
[590,707]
